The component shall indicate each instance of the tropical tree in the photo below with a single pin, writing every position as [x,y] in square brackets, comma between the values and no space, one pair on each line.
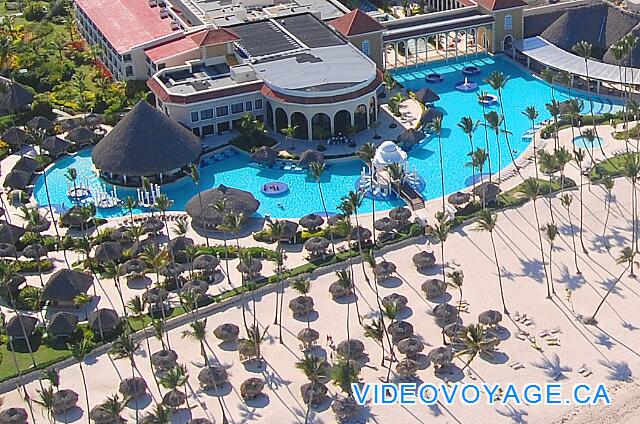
[487,222]
[315,369]
[608,183]
[469,126]
[175,379]
[220,206]
[79,350]
[163,203]
[566,199]
[317,169]
[498,81]
[194,173]
[627,257]
[474,341]
[289,134]
[631,170]
[366,153]
[478,159]
[550,231]
[389,82]
[531,188]
[554,109]
[344,374]
[583,49]
[375,331]
[277,230]
[436,126]
[578,156]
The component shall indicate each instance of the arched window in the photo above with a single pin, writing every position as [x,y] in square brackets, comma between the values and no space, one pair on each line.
[366,47]
[508,22]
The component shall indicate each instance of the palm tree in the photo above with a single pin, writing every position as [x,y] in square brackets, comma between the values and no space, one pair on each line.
[550,231]
[277,231]
[45,400]
[485,125]
[389,82]
[115,271]
[79,350]
[376,332]
[566,199]
[302,285]
[531,188]
[456,279]
[627,256]
[436,126]
[254,339]
[136,306]
[498,81]
[220,206]
[478,158]
[475,341]
[532,113]
[344,374]
[72,175]
[315,369]
[289,132]
[175,379]
[125,347]
[578,156]
[130,204]
[317,169]
[631,170]
[195,176]
[163,203]
[608,183]
[366,154]
[487,222]
[469,126]
[584,49]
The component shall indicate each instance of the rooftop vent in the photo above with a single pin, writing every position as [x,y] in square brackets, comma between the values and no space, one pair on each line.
[152,3]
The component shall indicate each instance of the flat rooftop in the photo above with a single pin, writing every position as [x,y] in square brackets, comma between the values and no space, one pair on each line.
[126,23]
[198,78]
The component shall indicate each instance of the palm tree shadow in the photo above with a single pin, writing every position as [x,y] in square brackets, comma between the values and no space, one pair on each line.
[618,371]
[533,268]
[518,416]
[552,367]
[629,326]
[572,281]
[248,414]
[604,339]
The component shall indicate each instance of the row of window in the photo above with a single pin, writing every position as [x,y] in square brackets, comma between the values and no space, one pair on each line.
[221,111]
[220,127]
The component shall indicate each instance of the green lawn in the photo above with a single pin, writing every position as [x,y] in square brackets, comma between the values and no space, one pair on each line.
[44,357]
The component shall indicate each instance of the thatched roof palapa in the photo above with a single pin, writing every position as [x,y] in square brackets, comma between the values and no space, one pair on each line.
[17,180]
[81,135]
[411,137]
[264,155]
[14,137]
[64,285]
[237,202]
[146,142]
[55,145]
[309,156]
[15,97]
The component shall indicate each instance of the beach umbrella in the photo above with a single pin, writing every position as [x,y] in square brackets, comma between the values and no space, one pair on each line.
[65,284]
[400,330]
[81,136]
[400,214]
[212,377]
[132,387]
[385,224]
[426,95]
[153,225]
[174,398]
[7,250]
[164,360]
[236,202]
[407,368]
[227,332]
[40,123]
[424,259]
[459,198]
[434,288]
[14,137]
[20,326]
[10,233]
[94,119]
[384,270]
[301,306]
[440,356]
[411,347]
[317,245]
[198,421]
[180,244]
[353,348]
[155,295]
[445,314]
[26,164]
[430,115]
[251,388]
[206,262]
[62,324]
[13,416]
[18,180]
[55,145]
[487,192]
[254,267]
[35,251]
[307,336]
[264,155]
[313,393]
[398,299]
[134,266]
[64,400]
[345,409]
[311,222]
[170,270]
[309,156]
[335,218]
[359,234]
[67,125]
[490,318]
[197,286]
[108,251]
[104,320]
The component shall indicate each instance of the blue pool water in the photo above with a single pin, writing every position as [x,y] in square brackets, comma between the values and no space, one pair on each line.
[522,90]
[581,142]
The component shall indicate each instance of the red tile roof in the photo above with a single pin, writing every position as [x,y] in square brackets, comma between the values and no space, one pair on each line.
[355,22]
[190,42]
[126,23]
[494,5]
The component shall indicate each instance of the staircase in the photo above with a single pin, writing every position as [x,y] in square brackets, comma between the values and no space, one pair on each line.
[411,197]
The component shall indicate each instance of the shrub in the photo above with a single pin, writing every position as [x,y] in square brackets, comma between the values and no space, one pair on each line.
[29,299]
[415,230]
[41,106]
[35,12]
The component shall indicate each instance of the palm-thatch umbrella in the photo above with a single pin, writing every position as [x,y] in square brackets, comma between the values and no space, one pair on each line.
[426,95]
[198,421]
[64,285]
[430,115]
[227,332]
[308,337]
[104,320]
[7,250]
[180,244]
[198,287]
[345,409]
[153,225]
[26,164]
[146,142]
[487,192]
[400,330]
[21,326]
[311,222]
[301,306]
[101,415]
[10,233]
[434,288]
[334,219]
[132,387]
[41,225]
[289,230]
[14,416]
[134,267]
[400,300]
[164,360]
[459,198]
[213,377]
[400,214]
[14,137]
[440,357]
[359,234]
[384,270]
[108,251]
[264,155]
[41,123]
[81,136]
[170,270]
[252,269]
[313,393]
[55,146]
[453,331]
[338,291]
[14,97]
[155,295]
[317,246]
[174,398]
[445,314]
[407,368]
[94,119]
[67,125]
[18,180]
[309,156]
[424,259]
[251,388]
[490,318]
[139,247]
[352,348]
[236,202]
[410,137]
[385,224]
[206,262]
[64,400]
[411,347]
[62,324]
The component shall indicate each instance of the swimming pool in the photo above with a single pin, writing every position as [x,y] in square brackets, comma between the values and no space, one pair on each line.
[522,90]
[582,142]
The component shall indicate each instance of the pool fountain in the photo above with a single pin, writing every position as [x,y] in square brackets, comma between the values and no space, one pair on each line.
[466,86]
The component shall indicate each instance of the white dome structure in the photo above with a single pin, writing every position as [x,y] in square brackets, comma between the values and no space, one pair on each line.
[389,153]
